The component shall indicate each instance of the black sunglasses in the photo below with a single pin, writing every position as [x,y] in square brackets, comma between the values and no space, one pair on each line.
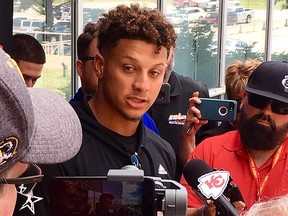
[86,58]
[260,102]
[29,178]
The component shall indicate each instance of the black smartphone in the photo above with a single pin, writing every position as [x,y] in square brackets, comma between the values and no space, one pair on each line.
[89,195]
[217,109]
[164,94]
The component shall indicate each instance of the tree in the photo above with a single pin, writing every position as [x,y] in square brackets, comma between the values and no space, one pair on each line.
[44,7]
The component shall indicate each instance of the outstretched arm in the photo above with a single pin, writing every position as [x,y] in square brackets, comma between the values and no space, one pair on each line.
[189,129]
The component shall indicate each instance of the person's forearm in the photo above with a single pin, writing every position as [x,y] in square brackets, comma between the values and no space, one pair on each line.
[196,211]
[185,148]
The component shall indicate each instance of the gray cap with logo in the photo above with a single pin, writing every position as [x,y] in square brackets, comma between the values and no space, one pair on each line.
[36,125]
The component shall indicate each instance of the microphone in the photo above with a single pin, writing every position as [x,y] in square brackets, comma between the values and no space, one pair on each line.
[210,184]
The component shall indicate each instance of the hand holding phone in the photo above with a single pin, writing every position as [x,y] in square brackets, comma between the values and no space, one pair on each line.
[217,109]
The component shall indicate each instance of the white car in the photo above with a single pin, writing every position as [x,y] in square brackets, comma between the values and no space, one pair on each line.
[213,5]
[31,24]
[194,14]
[177,19]
[232,46]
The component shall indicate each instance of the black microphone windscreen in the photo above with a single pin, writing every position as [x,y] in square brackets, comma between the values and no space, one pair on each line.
[195,169]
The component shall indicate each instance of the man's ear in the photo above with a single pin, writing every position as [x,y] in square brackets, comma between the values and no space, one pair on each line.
[79,67]
[99,65]
[244,96]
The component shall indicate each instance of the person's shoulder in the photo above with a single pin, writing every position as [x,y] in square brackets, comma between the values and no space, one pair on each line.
[80,107]
[285,143]
[230,141]
[221,129]
[189,82]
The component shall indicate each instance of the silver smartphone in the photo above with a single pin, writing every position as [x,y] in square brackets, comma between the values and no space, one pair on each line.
[217,109]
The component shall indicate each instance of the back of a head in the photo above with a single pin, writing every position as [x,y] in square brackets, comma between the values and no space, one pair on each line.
[135,22]
[85,38]
[27,48]
[36,125]
[237,75]
[276,206]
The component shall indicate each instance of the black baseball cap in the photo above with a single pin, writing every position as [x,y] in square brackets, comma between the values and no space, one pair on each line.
[270,79]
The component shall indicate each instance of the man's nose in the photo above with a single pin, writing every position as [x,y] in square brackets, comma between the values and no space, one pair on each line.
[142,83]
[29,82]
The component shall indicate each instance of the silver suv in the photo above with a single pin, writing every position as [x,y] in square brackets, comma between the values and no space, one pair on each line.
[30,25]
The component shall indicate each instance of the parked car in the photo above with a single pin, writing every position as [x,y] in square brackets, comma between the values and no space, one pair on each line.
[243,15]
[213,18]
[177,19]
[29,25]
[17,22]
[184,3]
[61,30]
[193,14]
[66,14]
[231,46]
[91,14]
[213,5]
[58,9]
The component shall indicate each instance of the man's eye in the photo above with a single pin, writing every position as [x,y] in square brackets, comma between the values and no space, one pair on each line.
[128,68]
[154,73]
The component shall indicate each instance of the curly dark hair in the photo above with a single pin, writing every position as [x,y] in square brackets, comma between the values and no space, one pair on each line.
[135,22]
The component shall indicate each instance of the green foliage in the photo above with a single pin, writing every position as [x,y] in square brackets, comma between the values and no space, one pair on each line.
[193,57]
[261,4]
[280,56]
[26,4]
[56,80]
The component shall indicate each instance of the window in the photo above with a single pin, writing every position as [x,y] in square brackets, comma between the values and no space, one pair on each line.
[55,37]
[198,44]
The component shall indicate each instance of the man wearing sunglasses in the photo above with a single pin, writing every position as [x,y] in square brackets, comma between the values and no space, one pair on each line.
[236,78]
[36,126]
[256,153]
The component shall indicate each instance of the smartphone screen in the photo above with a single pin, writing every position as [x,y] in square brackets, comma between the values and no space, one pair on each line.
[87,196]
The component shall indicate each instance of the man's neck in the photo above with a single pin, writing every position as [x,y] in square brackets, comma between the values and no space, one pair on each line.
[260,157]
[111,119]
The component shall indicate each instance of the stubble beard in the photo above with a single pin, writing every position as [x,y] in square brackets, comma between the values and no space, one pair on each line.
[128,117]
[258,136]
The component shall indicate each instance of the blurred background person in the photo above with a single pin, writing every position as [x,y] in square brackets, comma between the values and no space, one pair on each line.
[30,57]
[275,206]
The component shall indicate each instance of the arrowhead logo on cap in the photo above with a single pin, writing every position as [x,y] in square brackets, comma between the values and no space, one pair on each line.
[213,184]
[8,149]
[285,83]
